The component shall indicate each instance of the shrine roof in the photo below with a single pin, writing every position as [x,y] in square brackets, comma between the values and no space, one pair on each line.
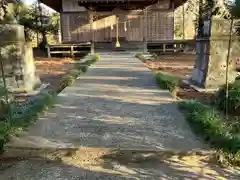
[124,4]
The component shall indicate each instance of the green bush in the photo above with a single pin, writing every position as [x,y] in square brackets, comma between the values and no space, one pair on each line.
[144,57]
[141,57]
[235,126]
[67,80]
[25,114]
[4,129]
[4,109]
[82,67]
[233,97]
[97,57]
[167,81]
[79,68]
[75,72]
[138,55]
[208,122]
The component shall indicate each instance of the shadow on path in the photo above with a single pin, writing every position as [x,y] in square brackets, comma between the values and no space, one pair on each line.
[105,163]
[114,123]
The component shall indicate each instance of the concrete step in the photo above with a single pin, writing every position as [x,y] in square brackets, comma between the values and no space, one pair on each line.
[105,164]
[80,152]
[123,46]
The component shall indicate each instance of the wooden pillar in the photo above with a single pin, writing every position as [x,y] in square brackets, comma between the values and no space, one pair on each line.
[145,26]
[59,32]
[48,52]
[68,29]
[91,30]
[117,33]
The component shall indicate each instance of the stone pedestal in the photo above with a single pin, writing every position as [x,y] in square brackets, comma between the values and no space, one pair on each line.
[211,55]
[17,58]
[91,21]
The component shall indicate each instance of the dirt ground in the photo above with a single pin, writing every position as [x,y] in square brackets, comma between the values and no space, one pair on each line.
[181,66]
[50,70]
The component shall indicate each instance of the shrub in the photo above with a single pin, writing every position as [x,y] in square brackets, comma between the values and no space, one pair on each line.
[22,115]
[67,80]
[235,126]
[75,72]
[138,55]
[4,109]
[167,81]
[97,57]
[4,129]
[82,67]
[141,57]
[144,57]
[233,97]
[208,122]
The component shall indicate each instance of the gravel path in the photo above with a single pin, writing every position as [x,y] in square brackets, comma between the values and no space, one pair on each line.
[115,105]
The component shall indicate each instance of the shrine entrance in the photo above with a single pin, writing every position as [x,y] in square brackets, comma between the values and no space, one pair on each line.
[117,22]
[113,24]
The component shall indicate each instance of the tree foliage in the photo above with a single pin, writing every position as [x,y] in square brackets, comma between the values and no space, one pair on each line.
[30,18]
[3,9]
[236,9]
[221,8]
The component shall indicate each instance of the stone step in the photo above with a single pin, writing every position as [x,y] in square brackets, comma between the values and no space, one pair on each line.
[123,45]
[105,164]
[23,153]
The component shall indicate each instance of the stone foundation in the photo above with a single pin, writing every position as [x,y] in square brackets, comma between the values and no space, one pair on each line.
[17,58]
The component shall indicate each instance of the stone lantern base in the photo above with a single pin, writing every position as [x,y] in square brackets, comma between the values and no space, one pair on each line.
[17,59]
[211,56]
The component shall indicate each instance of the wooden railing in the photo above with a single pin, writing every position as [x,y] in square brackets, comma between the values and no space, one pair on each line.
[69,49]
[186,46]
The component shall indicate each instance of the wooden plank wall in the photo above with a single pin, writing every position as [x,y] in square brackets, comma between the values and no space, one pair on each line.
[160,25]
[75,26]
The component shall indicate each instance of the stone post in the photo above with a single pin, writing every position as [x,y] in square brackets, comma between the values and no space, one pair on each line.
[17,58]
[117,33]
[211,54]
[145,26]
[91,30]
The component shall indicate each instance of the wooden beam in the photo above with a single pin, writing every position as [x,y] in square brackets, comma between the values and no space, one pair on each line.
[110,5]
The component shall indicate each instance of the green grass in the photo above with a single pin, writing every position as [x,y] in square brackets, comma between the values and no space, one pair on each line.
[164,80]
[139,56]
[233,98]
[167,81]
[144,57]
[208,122]
[79,68]
[24,115]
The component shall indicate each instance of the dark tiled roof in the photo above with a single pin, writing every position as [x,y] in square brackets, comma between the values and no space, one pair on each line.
[57,4]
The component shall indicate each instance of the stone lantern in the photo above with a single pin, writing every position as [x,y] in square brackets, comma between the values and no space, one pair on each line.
[17,59]
[211,52]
